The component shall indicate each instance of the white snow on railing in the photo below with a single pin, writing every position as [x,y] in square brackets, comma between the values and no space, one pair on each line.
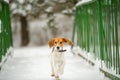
[4,58]
[82,2]
[85,54]
[98,63]
[7,1]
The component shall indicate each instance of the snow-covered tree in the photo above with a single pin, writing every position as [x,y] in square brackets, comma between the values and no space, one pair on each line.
[24,8]
[58,6]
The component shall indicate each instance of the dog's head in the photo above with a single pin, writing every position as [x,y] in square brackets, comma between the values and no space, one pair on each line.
[58,43]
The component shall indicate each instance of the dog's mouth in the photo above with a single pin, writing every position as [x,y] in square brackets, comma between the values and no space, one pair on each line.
[62,50]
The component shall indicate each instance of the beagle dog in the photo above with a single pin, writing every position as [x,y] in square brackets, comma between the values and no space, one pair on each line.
[57,60]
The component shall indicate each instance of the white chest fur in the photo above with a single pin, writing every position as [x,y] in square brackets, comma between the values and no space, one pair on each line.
[57,57]
[57,62]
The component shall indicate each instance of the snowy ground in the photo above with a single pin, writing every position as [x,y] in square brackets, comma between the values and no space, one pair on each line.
[33,64]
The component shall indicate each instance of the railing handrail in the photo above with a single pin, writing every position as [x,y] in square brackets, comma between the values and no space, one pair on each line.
[96,26]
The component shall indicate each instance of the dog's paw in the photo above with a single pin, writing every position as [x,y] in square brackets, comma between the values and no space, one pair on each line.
[57,78]
[52,75]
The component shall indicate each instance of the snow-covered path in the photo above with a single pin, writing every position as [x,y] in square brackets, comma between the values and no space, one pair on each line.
[33,64]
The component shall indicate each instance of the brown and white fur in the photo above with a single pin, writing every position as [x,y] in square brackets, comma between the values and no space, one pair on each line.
[57,60]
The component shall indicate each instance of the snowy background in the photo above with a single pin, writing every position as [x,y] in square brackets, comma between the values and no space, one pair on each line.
[39,31]
[45,19]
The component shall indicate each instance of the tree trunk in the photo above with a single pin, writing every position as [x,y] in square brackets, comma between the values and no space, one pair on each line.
[24,31]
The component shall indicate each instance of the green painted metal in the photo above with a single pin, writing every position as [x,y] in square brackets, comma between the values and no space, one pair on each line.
[5,29]
[97,24]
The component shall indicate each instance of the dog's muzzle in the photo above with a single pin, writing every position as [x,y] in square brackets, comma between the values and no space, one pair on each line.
[59,49]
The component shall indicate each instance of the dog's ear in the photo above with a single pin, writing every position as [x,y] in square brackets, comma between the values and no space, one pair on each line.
[67,41]
[51,42]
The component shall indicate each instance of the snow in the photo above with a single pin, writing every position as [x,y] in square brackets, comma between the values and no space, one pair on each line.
[49,9]
[21,7]
[4,58]
[82,2]
[13,6]
[67,11]
[97,62]
[33,64]
[20,11]
[28,7]
[60,1]
[7,1]
[21,1]
[87,55]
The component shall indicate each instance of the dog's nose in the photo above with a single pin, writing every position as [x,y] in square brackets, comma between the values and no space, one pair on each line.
[58,47]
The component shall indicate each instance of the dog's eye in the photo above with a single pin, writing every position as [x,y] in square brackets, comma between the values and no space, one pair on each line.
[60,42]
[55,42]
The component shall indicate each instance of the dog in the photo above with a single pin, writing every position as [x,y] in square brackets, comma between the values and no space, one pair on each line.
[57,60]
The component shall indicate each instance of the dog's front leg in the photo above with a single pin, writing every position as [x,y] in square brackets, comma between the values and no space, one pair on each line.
[52,70]
[56,75]
[56,71]
[52,67]
[61,68]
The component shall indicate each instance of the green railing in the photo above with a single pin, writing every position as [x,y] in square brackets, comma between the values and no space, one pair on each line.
[5,30]
[97,30]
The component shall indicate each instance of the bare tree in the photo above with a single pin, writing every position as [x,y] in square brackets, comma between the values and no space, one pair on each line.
[24,8]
